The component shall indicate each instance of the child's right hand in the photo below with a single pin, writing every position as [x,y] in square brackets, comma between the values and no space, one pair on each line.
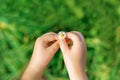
[75,55]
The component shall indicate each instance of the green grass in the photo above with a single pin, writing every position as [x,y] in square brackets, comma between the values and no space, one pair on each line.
[22,21]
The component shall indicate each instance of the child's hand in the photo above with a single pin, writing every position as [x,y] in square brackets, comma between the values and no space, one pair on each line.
[44,49]
[75,55]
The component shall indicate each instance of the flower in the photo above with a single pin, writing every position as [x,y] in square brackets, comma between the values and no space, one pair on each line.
[61,35]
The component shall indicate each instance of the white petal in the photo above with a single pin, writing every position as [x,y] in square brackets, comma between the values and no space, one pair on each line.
[61,35]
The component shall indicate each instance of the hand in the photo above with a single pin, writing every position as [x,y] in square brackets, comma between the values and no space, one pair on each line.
[44,49]
[74,55]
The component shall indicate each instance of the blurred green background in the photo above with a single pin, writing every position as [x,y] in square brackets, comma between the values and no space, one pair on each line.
[22,21]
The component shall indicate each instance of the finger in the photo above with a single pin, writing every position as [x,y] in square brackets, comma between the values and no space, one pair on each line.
[63,45]
[75,38]
[49,33]
[79,34]
[68,40]
[54,47]
[82,40]
[48,37]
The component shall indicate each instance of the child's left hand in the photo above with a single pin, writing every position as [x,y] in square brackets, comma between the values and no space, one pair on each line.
[44,49]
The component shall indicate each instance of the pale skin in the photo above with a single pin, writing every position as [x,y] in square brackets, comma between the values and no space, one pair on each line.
[47,45]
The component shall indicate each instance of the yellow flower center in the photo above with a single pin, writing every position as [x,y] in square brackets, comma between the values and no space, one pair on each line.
[62,35]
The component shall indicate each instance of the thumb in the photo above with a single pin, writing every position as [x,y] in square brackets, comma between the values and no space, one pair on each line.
[54,47]
[63,45]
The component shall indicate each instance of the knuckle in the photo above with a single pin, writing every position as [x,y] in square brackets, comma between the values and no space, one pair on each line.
[38,39]
[50,33]
[79,34]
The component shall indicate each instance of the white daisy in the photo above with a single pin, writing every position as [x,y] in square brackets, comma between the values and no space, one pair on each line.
[61,35]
